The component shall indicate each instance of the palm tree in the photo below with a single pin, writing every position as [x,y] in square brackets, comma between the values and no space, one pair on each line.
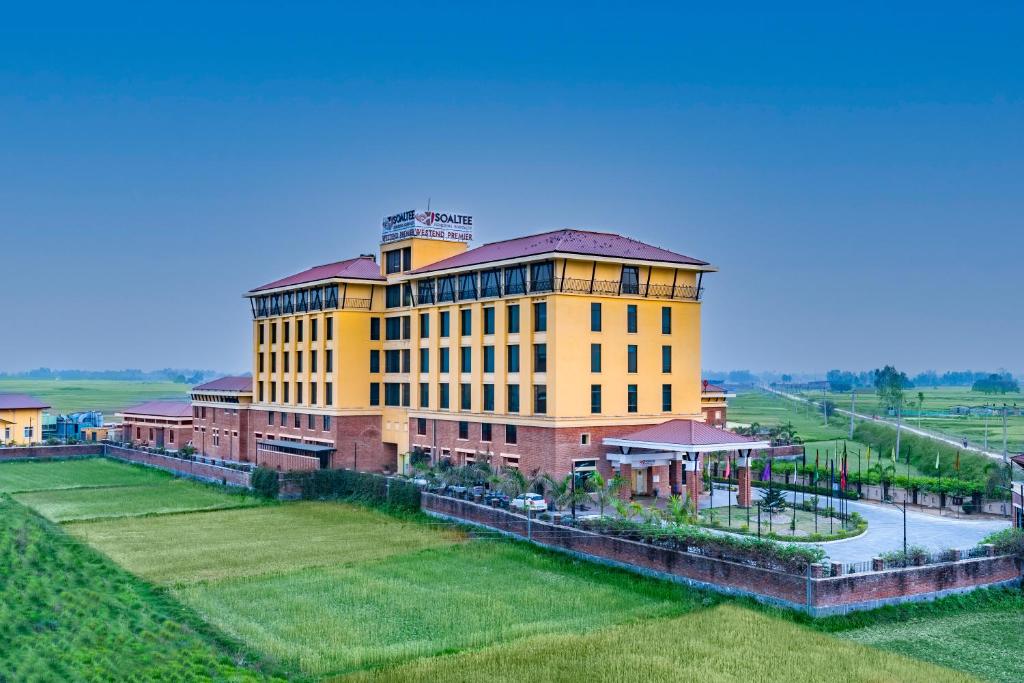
[605,492]
[513,483]
[678,510]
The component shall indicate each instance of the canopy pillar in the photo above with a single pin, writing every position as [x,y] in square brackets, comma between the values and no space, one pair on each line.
[743,465]
[694,482]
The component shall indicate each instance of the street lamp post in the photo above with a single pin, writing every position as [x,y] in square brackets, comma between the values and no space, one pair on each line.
[904,511]
[572,488]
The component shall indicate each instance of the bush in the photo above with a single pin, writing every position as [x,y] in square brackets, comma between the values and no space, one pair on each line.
[265,482]
[362,487]
[1007,542]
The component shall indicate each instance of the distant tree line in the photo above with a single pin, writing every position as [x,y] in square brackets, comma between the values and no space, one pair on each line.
[996,383]
[183,376]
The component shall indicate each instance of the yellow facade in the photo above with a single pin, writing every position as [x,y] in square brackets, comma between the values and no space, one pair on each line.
[21,426]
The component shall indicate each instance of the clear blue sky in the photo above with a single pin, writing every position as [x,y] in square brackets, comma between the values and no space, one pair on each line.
[857,175]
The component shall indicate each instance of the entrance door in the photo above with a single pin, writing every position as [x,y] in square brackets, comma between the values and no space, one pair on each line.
[640,481]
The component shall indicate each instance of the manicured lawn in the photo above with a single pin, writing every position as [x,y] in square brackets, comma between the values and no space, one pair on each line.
[46,475]
[724,644]
[170,495]
[182,549]
[418,604]
[68,614]
[108,396]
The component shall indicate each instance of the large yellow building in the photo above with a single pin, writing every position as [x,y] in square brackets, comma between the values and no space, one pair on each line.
[527,351]
[21,419]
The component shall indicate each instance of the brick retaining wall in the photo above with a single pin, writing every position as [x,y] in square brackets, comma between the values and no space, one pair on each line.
[33,452]
[817,596]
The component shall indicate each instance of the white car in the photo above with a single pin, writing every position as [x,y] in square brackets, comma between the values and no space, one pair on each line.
[529,501]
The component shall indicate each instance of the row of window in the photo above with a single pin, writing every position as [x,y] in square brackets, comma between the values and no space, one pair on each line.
[486,431]
[286,328]
[285,356]
[300,301]
[286,395]
[296,420]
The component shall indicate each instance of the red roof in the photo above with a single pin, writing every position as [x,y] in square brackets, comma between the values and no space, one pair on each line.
[712,388]
[239,384]
[687,433]
[362,268]
[24,401]
[160,409]
[584,242]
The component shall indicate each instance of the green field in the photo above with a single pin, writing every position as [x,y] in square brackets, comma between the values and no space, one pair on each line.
[313,589]
[108,396]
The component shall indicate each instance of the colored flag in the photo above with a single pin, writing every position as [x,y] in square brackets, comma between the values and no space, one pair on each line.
[936,460]
[817,464]
[767,473]
[842,476]
[728,467]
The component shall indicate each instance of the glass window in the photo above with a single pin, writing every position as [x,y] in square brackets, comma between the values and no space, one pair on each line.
[313,329]
[489,320]
[666,358]
[424,360]
[631,318]
[374,361]
[393,261]
[490,283]
[374,394]
[406,354]
[444,359]
[466,396]
[489,397]
[513,398]
[312,393]
[327,423]
[511,434]
[595,398]
[631,358]
[286,328]
[513,357]
[426,291]
[466,321]
[329,393]
[540,357]
[442,397]
[540,317]
[513,318]
[463,429]
[406,327]
[540,399]
[515,280]
[421,426]
[298,330]
[407,258]
[541,277]
[392,394]
[630,280]
[595,317]
[424,325]
[446,288]
[374,329]
[312,361]
[393,328]
[329,360]
[631,398]
[466,359]
[485,431]
[467,286]
[446,323]
[405,395]
[488,359]
[329,332]
[393,296]
[666,320]
[666,398]
[595,358]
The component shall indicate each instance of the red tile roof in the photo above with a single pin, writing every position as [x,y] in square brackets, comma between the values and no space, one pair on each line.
[687,433]
[239,384]
[712,388]
[362,268]
[584,242]
[160,409]
[23,401]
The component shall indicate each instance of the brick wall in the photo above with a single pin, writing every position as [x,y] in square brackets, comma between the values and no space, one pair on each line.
[286,462]
[818,596]
[175,436]
[231,425]
[356,438]
[29,452]
[188,468]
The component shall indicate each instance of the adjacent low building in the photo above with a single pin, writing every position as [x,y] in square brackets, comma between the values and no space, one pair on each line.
[158,424]
[714,403]
[220,419]
[21,419]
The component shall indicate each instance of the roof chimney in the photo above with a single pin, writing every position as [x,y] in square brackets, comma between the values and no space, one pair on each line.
[372,257]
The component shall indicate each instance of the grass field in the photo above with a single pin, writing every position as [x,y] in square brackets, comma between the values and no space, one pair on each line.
[726,644]
[326,589]
[109,396]
[37,475]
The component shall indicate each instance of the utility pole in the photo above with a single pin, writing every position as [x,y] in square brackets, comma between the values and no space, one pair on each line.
[853,409]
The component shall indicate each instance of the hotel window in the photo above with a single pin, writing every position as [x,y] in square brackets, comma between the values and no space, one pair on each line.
[406,327]
[446,288]
[260,385]
[512,313]
[513,357]
[270,417]
[426,291]
[540,399]
[489,398]
[313,329]
[595,317]
[513,398]
[421,426]
[485,431]
[298,392]
[405,394]
[392,394]
[284,358]
[666,320]
[329,331]
[631,358]
[630,280]
[374,394]
[262,362]
[375,360]
[295,420]
[466,396]
[541,277]
[406,355]
[595,398]
[285,386]
[331,296]
[424,360]
[540,317]
[329,361]
[466,359]
[393,261]
[631,398]
[446,323]
[261,326]
[298,361]
[540,357]
[463,430]
[327,423]
[312,393]
[488,359]
[285,329]
[511,434]
[315,299]
[311,421]
[393,296]
[273,392]
[515,280]
[375,329]
[392,361]
[595,358]
[424,395]
[424,325]
[666,398]
[490,283]
[273,333]
[442,397]
[444,359]
[329,393]
[489,320]
[465,321]
[666,358]
[300,303]
[393,328]
[467,286]
[312,361]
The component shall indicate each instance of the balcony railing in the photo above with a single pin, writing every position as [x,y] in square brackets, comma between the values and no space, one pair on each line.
[426,295]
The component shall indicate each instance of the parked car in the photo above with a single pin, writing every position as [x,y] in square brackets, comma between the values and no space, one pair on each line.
[529,501]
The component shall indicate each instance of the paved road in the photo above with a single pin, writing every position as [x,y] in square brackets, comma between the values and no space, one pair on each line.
[904,427]
[885,529]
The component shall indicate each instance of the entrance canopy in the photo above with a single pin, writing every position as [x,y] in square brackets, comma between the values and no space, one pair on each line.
[676,440]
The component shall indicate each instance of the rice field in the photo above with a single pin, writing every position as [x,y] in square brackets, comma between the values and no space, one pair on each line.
[108,396]
[727,644]
[49,475]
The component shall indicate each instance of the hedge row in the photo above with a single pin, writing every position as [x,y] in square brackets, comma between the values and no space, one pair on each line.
[362,487]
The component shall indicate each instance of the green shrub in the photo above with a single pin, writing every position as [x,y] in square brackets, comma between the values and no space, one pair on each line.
[362,487]
[265,482]
[1007,542]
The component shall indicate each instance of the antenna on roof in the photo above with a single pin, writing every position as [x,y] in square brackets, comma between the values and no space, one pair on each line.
[428,203]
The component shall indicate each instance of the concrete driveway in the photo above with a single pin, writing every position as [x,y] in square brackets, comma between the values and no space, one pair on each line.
[885,529]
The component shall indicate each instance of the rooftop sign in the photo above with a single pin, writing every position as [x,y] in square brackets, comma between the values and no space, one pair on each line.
[435,225]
